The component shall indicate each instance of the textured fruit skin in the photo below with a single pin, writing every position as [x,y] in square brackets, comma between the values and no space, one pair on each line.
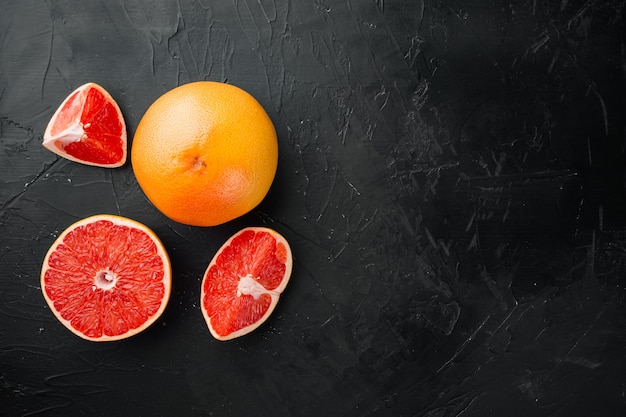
[81,288]
[205,153]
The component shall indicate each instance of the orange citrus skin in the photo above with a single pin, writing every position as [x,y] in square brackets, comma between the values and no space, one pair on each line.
[205,153]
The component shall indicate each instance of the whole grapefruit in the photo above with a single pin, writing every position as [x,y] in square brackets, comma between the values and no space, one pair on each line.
[205,153]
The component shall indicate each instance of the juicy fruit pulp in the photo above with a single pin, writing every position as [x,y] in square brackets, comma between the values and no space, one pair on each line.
[106,278]
[205,153]
[243,282]
[88,128]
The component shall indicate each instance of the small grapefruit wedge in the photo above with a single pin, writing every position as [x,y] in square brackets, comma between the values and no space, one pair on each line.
[88,128]
[106,278]
[243,282]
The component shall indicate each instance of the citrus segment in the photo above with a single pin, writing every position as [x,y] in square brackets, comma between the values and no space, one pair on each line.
[88,127]
[205,153]
[244,280]
[106,278]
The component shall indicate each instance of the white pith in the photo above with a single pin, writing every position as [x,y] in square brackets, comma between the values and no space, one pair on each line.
[248,285]
[105,280]
[73,133]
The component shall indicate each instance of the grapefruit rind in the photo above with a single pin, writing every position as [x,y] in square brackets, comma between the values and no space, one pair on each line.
[205,153]
[56,142]
[283,250]
[117,220]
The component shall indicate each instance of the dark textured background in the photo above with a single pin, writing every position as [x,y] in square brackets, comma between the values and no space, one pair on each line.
[451,180]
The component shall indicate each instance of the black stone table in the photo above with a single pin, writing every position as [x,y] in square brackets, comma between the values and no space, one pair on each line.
[451,180]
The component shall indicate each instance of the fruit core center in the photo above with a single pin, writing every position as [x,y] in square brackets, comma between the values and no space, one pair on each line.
[197,163]
[250,286]
[105,280]
[70,134]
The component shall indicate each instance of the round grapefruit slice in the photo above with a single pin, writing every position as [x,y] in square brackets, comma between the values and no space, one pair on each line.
[243,282]
[106,278]
[88,128]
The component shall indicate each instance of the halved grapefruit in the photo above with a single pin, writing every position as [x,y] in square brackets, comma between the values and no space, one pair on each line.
[88,127]
[243,282]
[106,278]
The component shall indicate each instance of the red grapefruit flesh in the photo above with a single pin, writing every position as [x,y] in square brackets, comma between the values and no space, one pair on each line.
[106,278]
[243,282]
[88,128]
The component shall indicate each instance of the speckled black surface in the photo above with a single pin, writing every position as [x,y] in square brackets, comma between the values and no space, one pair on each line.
[451,180]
